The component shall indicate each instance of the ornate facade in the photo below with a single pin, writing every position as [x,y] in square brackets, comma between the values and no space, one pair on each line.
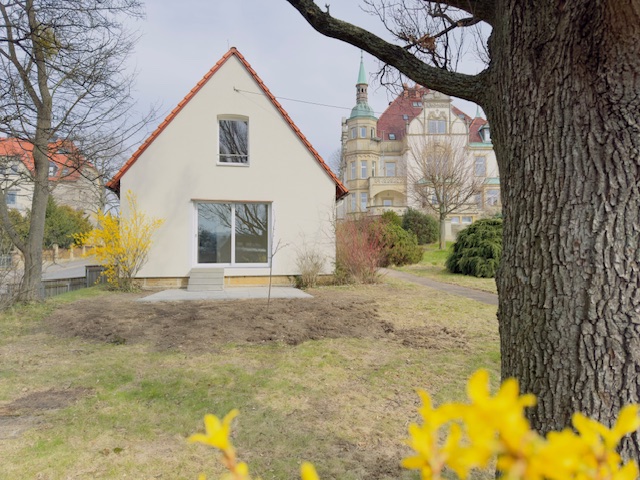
[382,161]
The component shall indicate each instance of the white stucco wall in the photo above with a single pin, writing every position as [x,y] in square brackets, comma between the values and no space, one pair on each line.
[181,165]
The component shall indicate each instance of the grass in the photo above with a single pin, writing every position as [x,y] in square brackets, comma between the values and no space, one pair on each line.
[341,403]
[432,266]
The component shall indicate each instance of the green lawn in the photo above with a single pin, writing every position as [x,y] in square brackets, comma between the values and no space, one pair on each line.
[341,403]
[432,266]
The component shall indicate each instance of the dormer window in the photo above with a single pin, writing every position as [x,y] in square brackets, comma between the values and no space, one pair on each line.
[9,164]
[485,134]
[392,136]
[417,104]
[405,117]
[53,169]
[233,137]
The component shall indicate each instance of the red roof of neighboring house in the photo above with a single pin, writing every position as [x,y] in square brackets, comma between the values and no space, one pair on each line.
[114,184]
[63,154]
[405,108]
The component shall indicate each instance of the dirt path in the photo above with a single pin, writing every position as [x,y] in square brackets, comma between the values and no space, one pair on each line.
[477,295]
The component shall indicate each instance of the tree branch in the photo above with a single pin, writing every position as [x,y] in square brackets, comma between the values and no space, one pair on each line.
[468,87]
[481,9]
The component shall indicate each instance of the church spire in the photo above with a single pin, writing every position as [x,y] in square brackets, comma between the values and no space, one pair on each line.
[361,86]
[362,108]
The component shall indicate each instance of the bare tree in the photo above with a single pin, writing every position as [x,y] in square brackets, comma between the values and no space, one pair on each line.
[63,81]
[561,95]
[440,176]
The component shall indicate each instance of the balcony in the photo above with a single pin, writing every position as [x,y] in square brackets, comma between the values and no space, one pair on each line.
[381,184]
[379,210]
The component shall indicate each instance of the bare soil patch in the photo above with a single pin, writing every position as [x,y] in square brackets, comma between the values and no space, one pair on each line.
[26,411]
[198,326]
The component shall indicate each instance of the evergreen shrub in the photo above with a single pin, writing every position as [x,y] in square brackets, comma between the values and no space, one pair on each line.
[478,249]
[392,217]
[399,247]
[424,226]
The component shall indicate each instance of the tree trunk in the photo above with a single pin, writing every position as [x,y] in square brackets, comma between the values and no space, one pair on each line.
[565,117]
[443,232]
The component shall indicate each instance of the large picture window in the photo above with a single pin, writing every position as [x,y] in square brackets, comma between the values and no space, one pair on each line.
[234,141]
[233,233]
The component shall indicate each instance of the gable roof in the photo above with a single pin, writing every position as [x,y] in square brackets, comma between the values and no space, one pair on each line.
[64,154]
[114,184]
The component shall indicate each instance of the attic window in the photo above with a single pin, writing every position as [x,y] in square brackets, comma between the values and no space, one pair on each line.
[392,136]
[485,134]
[417,104]
[53,169]
[405,117]
[9,164]
[234,141]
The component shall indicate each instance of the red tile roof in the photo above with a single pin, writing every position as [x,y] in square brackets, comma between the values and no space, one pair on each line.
[114,184]
[63,154]
[393,119]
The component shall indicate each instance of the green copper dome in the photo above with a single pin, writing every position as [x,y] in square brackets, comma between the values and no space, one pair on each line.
[362,110]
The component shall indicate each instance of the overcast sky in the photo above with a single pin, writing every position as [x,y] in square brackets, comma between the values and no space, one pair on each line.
[182,40]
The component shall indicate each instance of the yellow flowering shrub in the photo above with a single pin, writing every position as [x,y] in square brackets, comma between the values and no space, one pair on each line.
[486,427]
[122,244]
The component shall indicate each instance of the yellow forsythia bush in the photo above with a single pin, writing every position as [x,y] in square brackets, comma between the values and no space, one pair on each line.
[476,432]
[122,243]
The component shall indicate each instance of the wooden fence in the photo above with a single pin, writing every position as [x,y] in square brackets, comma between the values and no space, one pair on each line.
[51,288]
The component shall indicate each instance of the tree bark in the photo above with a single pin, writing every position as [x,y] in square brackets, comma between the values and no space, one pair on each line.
[565,115]
[32,279]
[443,232]
[562,96]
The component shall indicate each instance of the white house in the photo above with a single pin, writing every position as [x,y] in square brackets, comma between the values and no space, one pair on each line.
[73,181]
[241,190]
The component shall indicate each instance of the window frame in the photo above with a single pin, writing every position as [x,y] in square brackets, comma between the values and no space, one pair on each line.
[11,194]
[476,170]
[386,169]
[364,170]
[434,126]
[364,200]
[233,118]
[492,197]
[233,263]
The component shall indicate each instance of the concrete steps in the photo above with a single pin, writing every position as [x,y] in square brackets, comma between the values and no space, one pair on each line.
[206,280]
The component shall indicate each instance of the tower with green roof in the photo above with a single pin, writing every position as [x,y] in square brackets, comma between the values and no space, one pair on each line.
[361,148]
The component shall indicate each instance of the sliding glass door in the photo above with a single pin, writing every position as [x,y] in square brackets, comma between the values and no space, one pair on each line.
[233,233]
